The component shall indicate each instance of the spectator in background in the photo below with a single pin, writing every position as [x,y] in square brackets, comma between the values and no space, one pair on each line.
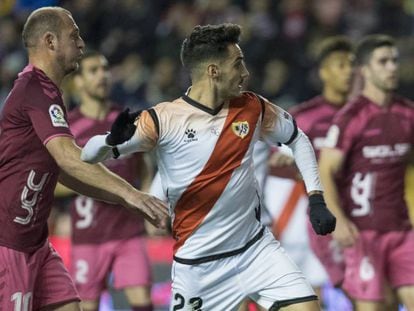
[120,248]
[369,143]
[161,84]
[130,82]
[288,30]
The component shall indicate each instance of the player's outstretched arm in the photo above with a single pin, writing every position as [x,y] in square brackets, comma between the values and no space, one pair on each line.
[126,137]
[100,147]
[321,218]
[279,127]
[98,182]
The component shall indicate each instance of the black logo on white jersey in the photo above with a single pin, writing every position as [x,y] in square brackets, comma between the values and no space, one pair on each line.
[190,135]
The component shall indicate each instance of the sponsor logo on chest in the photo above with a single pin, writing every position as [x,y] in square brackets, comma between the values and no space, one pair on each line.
[385,151]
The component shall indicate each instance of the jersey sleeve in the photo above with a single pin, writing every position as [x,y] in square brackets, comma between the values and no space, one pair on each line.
[278,126]
[47,115]
[147,130]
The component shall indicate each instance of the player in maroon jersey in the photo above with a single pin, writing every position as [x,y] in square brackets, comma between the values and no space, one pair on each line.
[315,116]
[368,143]
[120,248]
[37,149]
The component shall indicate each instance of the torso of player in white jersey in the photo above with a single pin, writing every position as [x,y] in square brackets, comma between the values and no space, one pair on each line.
[205,159]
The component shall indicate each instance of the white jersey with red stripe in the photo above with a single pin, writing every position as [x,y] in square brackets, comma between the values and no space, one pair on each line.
[205,164]
[204,158]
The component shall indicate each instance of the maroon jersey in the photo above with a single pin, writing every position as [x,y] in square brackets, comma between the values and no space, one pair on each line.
[96,221]
[375,141]
[32,115]
[314,117]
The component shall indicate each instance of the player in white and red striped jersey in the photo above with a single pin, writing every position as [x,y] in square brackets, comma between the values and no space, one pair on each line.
[204,142]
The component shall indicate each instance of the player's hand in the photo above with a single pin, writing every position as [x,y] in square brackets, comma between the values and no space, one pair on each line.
[346,233]
[323,221]
[123,127]
[152,208]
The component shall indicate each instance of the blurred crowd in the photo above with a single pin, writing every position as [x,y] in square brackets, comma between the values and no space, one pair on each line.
[142,38]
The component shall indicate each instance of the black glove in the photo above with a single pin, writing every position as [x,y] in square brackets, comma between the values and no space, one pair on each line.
[123,127]
[323,222]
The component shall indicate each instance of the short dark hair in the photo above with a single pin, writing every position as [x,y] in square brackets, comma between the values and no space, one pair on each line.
[87,54]
[333,44]
[208,42]
[40,21]
[368,44]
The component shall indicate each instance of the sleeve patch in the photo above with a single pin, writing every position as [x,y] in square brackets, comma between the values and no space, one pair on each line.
[57,116]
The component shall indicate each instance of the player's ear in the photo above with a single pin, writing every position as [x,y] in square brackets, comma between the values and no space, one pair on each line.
[213,70]
[49,40]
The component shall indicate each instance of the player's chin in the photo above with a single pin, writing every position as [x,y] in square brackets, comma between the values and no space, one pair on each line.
[73,66]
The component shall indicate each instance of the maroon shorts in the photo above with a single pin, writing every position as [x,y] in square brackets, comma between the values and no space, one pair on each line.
[377,259]
[329,254]
[92,264]
[33,281]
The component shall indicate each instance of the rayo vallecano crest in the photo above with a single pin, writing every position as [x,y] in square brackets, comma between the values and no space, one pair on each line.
[240,128]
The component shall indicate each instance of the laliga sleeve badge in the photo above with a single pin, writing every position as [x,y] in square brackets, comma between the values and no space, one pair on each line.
[240,128]
[57,116]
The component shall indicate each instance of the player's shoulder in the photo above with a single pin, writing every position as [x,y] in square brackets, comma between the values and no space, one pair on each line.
[307,106]
[34,84]
[167,106]
[253,97]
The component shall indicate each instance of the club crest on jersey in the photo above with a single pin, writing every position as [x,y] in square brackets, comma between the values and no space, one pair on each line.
[240,128]
[57,116]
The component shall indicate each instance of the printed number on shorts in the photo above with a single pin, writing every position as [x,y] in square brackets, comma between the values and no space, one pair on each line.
[29,196]
[82,268]
[195,303]
[21,302]
[366,269]
[84,208]
[361,193]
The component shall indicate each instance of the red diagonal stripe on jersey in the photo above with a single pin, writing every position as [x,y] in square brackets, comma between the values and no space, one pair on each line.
[202,194]
[280,225]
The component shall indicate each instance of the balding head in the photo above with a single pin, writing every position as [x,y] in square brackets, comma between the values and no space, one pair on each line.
[40,21]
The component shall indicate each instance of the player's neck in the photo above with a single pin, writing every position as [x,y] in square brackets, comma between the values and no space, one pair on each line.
[205,95]
[334,97]
[48,67]
[376,95]
[94,108]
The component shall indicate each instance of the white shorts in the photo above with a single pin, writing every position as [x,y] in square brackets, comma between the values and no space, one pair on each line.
[264,273]
[308,263]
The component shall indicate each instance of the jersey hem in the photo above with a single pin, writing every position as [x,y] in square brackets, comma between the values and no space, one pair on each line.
[283,303]
[187,261]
